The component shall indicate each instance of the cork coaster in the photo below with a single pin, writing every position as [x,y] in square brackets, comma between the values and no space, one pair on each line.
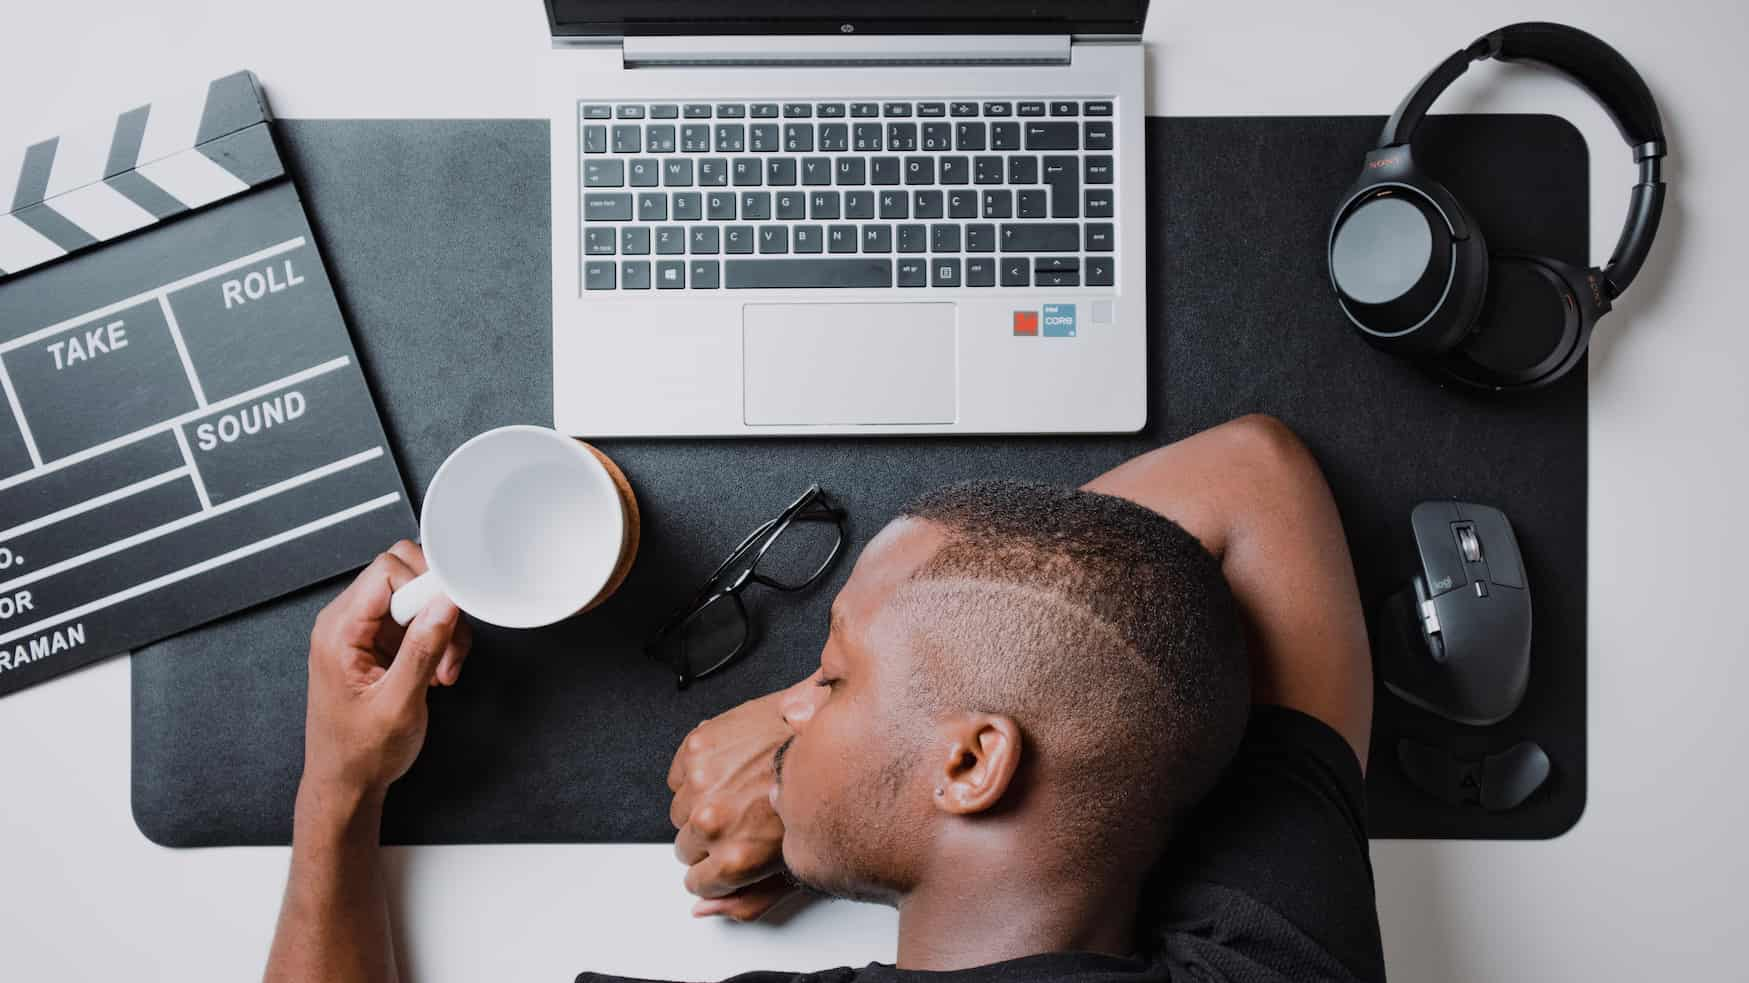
[628,550]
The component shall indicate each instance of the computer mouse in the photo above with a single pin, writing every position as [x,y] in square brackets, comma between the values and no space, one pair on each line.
[1496,782]
[1457,641]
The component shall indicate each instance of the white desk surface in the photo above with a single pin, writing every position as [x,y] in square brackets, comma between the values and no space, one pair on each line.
[1647,886]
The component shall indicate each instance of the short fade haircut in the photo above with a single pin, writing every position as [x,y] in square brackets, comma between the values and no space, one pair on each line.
[1105,631]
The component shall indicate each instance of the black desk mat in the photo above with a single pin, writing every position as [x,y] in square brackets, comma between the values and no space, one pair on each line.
[437,235]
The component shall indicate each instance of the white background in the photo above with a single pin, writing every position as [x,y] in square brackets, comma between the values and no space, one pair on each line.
[1647,885]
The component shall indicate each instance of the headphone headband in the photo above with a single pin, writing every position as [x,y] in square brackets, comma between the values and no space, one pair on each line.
[1601,71]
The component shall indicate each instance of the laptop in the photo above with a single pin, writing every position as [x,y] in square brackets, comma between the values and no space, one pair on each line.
[847,218]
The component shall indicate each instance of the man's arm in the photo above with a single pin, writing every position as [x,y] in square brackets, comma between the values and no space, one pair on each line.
[364,726]
[1254,496]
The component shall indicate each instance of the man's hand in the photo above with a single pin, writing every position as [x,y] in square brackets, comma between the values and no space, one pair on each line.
[730,838]
[368,676]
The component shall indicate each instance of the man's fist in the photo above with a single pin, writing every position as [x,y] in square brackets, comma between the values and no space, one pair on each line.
[368,676]
[730,838]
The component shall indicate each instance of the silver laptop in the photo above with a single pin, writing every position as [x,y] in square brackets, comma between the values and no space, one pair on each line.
[838,218]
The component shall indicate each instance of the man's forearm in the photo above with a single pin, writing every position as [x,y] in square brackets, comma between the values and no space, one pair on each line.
[1255,498]
[334,924]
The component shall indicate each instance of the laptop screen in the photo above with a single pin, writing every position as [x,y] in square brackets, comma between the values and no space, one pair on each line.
[632,18]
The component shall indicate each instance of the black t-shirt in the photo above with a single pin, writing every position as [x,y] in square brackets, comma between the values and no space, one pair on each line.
[1270,881]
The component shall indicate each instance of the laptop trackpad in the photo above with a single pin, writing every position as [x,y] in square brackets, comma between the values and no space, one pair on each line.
[849,363]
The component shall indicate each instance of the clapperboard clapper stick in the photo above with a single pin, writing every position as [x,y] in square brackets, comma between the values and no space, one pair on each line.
[185,431]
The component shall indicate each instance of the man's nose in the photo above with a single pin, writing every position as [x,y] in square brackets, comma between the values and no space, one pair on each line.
[799,703]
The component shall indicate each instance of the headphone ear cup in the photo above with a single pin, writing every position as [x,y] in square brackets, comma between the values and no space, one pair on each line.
[1404,278]
[1531,329]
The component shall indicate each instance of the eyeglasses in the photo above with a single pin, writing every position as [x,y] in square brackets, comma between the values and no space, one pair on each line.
[788,553]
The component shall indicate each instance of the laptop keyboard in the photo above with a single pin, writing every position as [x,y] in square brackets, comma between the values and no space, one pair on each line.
[952,194]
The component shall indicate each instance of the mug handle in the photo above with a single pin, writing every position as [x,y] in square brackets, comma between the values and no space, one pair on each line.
[407,602]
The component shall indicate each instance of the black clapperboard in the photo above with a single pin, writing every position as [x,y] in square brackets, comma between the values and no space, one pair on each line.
[185,430]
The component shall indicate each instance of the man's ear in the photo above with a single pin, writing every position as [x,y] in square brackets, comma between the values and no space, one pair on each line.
[980,755]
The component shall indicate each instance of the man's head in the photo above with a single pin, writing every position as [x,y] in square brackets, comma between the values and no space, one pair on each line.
[1015,673]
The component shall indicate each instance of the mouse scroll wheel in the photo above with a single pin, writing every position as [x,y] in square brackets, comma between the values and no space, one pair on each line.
[1469,544]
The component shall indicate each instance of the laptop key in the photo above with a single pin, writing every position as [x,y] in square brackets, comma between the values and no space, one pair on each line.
[756,205]
[896,109]
[884,171]
[746,173]
[901,136]
[670,240]
[913,272]
[1041,237]
[810,239]
[998,109]
[653,207]
[969,136]
[1102,108]
[1030,203]
[719,206]
[628,139]
[644,173]
[764,138]
[1004,136]
[671,274]
[866,136]
[1023,169]
[830,110]
[780,172]
[877,238]
[1016,273]
[1055,264]
[797,110]
[841,238]
[607,208]
[634,274]
[706,274]
[980,238]
[937,136]
[598,241]
[731,138]
[695,138]
[859,204]
[1072,278]
[677,173]
[944,272]
[863,110]
[1098,134]
[604,173]
[1099,203]
[998,204]
[629,112]
[1098,169]
[688,206]
[634,241]
[791,205]
[595,139]
[944,238]
[926,204]
[962,204]
[1053,136]
[1063,175]
[834,137]
[962,108]
[1064,109]
[986,170]
[920,170]
[913,239]
[790,274]
[932,109]
[895,204]
[851,170]
[660,139]
[774,238]
[816,171]
[598,276]
[664,111]
[798,138]
[738,239]
[956,170]
[1101,271]
[980,272]
[764,110]
[705,240]
[823,204]
[1032,109]
[696,111]
[713,172]
[1101,238]
[731,110]
[597,112]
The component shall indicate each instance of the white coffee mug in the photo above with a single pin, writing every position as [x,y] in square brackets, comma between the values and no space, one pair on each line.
[522,527]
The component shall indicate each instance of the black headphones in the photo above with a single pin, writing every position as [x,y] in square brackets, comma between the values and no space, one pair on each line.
[1414,273]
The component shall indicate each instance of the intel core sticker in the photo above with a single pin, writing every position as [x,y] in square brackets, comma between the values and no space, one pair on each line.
[1059,321]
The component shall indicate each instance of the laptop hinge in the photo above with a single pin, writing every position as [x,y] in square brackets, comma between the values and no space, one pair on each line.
[657,52]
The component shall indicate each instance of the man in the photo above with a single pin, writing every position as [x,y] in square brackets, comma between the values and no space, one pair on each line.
[1029,732]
